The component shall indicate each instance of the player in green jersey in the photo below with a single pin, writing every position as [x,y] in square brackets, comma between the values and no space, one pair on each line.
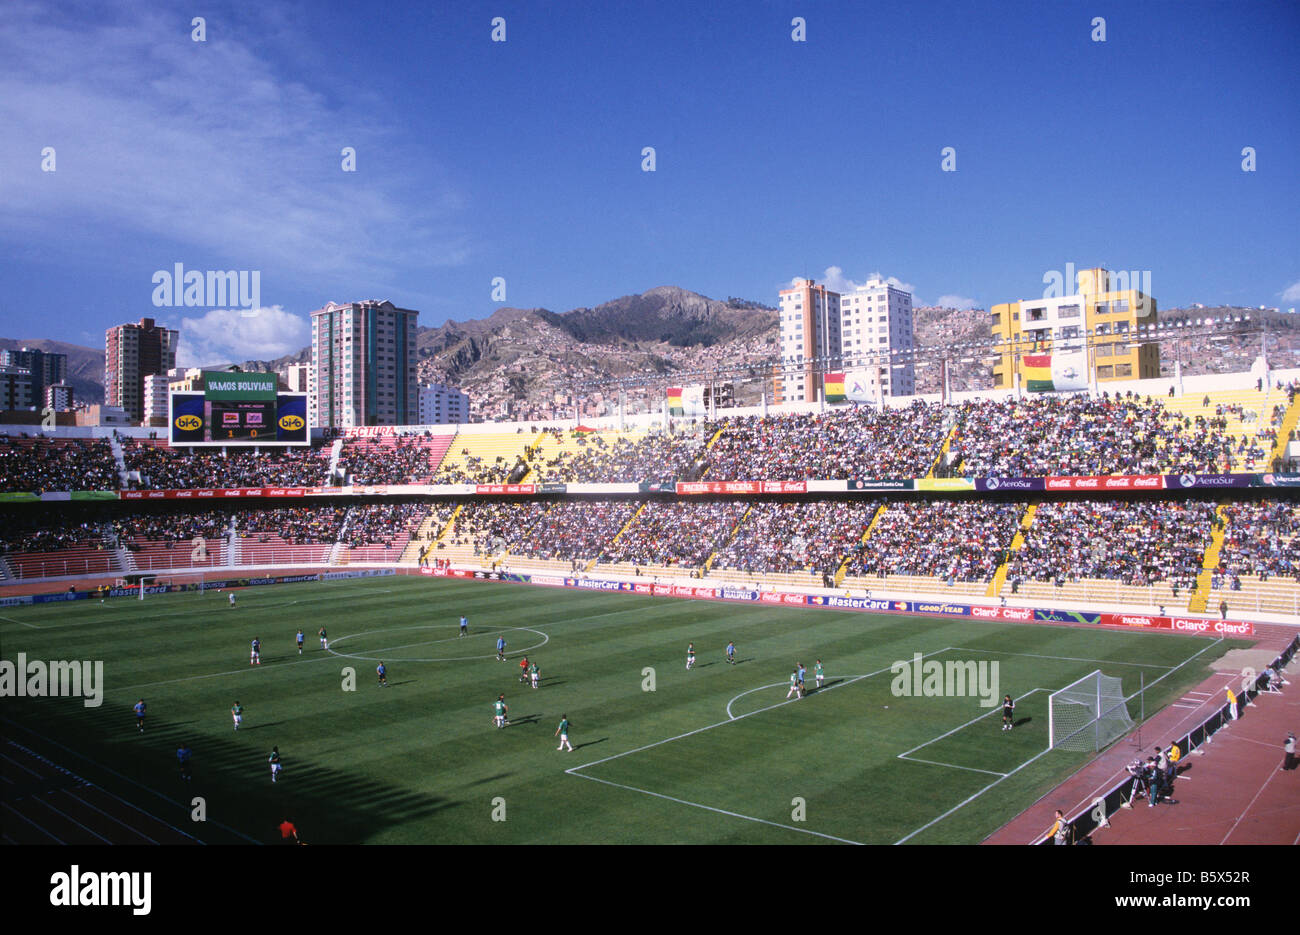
[502,710]
[563,733]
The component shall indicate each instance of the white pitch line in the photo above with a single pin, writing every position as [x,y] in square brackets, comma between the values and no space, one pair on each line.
[710,808]
[973,769]
[1109,662]
[296,662]
[851,680]
[21,624]
[1120,773]
[993,710]
[575,770]
[969,799]
[700,730]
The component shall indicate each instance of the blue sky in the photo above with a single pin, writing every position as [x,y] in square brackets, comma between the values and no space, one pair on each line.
[523,159]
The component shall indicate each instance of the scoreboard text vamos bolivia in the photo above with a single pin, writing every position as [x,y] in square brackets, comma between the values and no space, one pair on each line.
[238,409]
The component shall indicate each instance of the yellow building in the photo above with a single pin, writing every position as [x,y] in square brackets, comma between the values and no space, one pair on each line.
[1098,326]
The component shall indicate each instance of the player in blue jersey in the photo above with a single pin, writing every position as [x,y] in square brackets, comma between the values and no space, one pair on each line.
[255,657]
[382,671]
[139,714]
[300,639]
[501,649]
[464,625]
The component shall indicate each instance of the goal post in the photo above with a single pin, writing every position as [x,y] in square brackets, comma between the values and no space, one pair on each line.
[1088,714]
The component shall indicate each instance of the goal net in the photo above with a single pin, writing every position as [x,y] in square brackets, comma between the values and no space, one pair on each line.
[1088,714]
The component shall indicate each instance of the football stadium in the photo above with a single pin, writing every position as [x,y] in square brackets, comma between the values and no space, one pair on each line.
[927,620]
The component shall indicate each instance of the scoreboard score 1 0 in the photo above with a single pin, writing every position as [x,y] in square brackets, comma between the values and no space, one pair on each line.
[242,421]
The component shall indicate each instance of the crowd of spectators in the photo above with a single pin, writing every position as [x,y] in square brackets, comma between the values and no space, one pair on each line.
[1042,435]
[173,526]
[382,523]
[787,537]
[47,534]
[37,465]
[576,529]
[477,470]
[296,525]
[676,533]
[404,460]
[857,443]
[653,458]
[161,468]
[485,524]
[1261,538]
[1136,543]
[954,540]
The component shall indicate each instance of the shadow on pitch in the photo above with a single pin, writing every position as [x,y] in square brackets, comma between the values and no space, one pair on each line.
[479,782]
[589,743]
[1023,720]
[828,683]
[526,719]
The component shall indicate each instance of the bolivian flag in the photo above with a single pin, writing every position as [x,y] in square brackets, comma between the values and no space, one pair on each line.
[1059,373]
[834,383]
[675,401]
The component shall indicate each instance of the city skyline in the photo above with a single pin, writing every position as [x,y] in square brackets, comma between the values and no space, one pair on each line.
[968,151]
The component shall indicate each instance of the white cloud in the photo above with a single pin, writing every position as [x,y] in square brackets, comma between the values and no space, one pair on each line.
[835,280]
[1291,293]
[231,336]
[956,301]
[208,146]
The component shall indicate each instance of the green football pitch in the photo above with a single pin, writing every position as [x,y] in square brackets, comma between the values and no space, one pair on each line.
[661,755]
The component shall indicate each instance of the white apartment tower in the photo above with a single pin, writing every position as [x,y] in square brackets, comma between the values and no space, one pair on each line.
[443,405]
[877,324]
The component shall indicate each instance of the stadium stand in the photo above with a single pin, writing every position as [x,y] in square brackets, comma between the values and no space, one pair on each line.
[394,459]
[37,464]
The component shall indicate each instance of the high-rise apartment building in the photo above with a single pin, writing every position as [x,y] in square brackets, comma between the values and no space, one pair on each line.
[15,387]
[877,327]
[363,360]
[298,378]
[131,353]
[443,405]
[861,331]
[1097,325]
[46,368]
[156,386]
[60,397]
[810,340]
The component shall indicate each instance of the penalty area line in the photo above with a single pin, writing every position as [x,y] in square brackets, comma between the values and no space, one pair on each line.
[993,710]
[576,770]
[710,808]
[850,680]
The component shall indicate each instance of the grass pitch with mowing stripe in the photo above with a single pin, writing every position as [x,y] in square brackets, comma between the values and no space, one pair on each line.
[420,761]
